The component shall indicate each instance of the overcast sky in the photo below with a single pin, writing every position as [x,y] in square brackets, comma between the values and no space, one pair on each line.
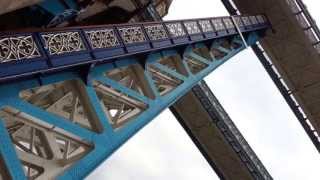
[162,150]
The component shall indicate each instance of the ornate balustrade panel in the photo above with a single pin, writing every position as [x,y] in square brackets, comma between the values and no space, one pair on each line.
[20,47]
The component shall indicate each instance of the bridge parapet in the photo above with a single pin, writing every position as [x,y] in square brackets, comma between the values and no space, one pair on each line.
[26,53]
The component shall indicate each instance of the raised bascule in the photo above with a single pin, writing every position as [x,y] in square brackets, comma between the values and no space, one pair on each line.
[290,54]
[77,81]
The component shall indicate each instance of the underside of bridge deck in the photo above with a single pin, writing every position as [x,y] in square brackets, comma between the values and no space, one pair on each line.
[294,51]
[218,139]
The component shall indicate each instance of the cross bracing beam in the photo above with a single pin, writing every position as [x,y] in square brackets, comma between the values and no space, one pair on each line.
[62,120]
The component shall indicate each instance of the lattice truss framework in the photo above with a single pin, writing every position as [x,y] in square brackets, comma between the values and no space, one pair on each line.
[63,127]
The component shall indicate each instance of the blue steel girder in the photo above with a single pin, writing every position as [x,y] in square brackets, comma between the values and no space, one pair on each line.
[57,123]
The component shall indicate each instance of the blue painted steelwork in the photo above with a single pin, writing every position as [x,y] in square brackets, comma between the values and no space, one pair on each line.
[118,48]
[9,155]
[55,12]
[40,52]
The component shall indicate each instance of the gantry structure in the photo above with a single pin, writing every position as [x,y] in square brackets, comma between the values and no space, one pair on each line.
[78,78]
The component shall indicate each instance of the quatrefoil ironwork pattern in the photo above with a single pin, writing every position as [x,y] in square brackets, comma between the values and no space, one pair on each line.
[218,24]
[176,29]
[192,27]
[64,42]
[156,32]
[104,38]
[18,48]
[132,34]
[206,25]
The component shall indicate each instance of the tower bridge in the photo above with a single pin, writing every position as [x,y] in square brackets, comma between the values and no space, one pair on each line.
[77,80]
[71,96]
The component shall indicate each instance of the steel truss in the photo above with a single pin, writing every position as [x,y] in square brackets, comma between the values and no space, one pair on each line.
[63,122]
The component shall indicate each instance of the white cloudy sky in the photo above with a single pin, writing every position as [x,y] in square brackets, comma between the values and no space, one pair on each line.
[162,150]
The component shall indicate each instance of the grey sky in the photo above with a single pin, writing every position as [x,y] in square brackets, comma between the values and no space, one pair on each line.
[162,150]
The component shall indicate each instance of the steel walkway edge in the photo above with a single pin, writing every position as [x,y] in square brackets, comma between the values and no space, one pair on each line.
[28,53]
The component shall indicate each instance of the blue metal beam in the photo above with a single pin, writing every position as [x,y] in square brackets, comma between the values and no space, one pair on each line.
[61,56]
[33,53]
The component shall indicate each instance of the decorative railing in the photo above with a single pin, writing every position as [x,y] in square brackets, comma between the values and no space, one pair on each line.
[24,53]
[231,133]
[306,21]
